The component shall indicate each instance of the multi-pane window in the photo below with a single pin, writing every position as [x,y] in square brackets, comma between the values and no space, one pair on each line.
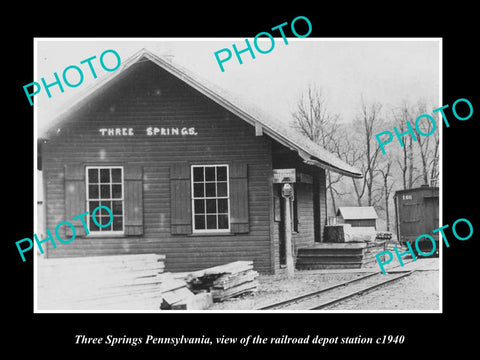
[105,188]
[210,198]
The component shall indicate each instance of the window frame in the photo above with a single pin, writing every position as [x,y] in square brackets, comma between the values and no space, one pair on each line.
[193,198]
[122,199]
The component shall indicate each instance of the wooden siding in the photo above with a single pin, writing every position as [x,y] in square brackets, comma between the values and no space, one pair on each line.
[150,97]
[362,223]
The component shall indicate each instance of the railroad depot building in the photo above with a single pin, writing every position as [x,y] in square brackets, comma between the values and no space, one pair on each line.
[186,169]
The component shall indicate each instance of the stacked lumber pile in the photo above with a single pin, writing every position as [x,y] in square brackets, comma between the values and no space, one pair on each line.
[177,296]
[117,282]
[136,282]
[224,281]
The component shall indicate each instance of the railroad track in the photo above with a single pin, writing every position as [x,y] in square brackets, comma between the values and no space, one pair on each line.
[320,299]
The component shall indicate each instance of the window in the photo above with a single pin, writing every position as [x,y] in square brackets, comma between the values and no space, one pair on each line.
[105,188]
[210,198]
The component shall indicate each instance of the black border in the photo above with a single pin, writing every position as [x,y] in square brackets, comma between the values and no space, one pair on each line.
[425,333]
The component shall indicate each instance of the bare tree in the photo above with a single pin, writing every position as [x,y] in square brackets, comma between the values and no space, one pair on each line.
[434,168]
[427,145]
[386,173]
[367,124]
[405,160]
[313,120]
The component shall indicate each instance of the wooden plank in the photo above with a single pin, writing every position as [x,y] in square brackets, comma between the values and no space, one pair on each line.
[130,258]
[99,277]
[88,283]
[68,284]
[220,295]
[101,270]
[79,296]
[114,302]
[91,294]
[173,284]
[56,271]
[230,268]
[175,296]
[86,290]
[229,281]
[158,279]
[199,301]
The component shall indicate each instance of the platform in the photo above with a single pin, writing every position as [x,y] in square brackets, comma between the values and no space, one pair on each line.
[329,256]
[420,265]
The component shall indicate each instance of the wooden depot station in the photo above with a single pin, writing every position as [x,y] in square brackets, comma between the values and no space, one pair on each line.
[189,171]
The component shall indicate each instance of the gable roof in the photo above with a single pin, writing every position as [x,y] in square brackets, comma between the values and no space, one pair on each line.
[357,212]
[310,152]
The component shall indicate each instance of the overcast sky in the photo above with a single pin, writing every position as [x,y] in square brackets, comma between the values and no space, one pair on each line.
[389,71]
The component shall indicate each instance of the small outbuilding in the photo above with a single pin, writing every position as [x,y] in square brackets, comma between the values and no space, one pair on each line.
[357,216]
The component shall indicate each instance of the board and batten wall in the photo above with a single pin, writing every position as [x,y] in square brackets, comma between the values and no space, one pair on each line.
[149,97]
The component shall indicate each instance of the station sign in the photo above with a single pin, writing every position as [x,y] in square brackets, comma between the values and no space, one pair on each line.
[284,176]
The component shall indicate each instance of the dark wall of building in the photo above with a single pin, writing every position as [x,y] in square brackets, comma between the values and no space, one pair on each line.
[149,97]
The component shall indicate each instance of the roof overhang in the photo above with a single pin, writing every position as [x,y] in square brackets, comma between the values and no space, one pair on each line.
[320,158]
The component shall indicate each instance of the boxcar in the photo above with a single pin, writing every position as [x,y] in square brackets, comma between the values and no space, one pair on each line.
[416,212]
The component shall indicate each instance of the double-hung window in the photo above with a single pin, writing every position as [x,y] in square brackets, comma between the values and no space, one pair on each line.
[210,198]
[105,188]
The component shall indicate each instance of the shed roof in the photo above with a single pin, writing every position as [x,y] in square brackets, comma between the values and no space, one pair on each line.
[357,212]
[311,153]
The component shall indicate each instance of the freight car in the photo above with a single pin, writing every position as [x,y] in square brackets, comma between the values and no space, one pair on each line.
[416,213]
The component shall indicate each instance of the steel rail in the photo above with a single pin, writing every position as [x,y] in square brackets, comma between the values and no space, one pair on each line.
[361,291]
[343,284]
